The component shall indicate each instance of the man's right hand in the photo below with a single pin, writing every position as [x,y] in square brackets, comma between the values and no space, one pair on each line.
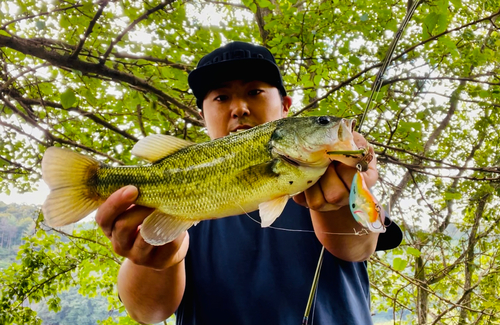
[120,221]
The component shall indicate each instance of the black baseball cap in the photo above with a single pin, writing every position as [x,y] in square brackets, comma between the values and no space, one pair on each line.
[391,238]
[236,60]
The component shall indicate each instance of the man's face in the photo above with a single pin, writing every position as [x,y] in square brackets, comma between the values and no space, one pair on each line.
[239,104]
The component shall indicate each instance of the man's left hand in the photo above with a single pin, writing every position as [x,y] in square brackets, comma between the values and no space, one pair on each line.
[331,192]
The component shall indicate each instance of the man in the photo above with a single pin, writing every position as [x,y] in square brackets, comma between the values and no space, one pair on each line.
[230,270]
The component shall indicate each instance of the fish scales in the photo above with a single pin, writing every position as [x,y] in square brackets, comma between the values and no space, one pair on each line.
[259,168]
[191,184]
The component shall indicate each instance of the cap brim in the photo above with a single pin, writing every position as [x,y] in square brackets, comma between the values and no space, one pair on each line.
[206,78]
[391,238]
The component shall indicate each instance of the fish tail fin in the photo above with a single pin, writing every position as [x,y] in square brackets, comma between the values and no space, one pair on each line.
[67,175]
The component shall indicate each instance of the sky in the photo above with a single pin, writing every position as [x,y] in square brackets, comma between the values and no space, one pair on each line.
[36,197]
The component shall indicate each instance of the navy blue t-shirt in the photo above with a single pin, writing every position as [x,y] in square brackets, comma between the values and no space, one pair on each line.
[240,273]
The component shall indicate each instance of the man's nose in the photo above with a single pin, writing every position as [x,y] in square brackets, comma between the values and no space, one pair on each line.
[239,108]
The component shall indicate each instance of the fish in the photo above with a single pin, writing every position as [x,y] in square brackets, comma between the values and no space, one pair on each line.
[365,208]
[185,183]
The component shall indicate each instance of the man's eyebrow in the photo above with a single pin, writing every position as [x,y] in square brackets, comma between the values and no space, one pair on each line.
[220,86]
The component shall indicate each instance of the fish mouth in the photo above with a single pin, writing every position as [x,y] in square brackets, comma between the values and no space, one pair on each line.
[289,160]
[293,161]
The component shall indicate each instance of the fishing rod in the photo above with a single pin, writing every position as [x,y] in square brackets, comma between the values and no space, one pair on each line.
[377,84]
[312,293]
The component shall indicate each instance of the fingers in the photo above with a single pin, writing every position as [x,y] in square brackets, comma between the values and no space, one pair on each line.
[126,228]
[159,257]
[120,221]
[359,140]
[329,193]
[301,199]
[117,203]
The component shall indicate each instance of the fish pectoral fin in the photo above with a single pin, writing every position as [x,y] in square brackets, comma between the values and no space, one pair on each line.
[270,211]
[160,228]
[157,146]
[254,172]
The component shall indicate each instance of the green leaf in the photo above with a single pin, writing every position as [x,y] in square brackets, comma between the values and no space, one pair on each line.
[442,23]
[429,23]
[40,24]
[253,7]
[443,6]
[343,50]
[64,22]
[399,264]
[355,60]
[452,196]
[265,4]
[413,251]
[68,98]
[364,17]
[450,45]
[317,80]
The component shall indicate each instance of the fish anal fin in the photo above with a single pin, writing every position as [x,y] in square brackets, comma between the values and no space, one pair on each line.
[157,146]
[269,211]
[160,228]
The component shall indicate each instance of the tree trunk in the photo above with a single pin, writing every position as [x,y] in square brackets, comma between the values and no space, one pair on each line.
[469,269]
[422,291]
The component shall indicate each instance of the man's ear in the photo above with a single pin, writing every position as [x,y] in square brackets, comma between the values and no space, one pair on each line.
[201,114]
[286,104]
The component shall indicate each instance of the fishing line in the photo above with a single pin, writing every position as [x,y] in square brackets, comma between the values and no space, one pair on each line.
[362,232]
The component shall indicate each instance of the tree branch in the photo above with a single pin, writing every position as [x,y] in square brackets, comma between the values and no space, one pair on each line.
[394,80]
[131,26]
[98,14]
[35,49]
[78,110]
[179,66]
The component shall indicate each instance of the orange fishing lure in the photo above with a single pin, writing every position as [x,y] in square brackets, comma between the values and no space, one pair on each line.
[364,206]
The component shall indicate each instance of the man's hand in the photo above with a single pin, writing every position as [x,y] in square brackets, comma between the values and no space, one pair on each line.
[331,192]
[120,221]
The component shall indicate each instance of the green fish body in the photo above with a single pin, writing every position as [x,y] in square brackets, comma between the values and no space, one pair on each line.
[259,168]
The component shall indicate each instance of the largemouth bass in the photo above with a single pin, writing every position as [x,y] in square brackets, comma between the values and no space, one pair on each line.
[259,168]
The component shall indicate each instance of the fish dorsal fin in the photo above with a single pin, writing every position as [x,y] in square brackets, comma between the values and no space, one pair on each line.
[271,210]
[157,146]
[160,228]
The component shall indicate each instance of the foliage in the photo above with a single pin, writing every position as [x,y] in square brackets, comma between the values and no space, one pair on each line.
[16,221]
[48,265]
[98,76]
[75,309]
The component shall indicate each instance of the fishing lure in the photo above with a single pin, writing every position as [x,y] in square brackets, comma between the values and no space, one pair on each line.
[364,206]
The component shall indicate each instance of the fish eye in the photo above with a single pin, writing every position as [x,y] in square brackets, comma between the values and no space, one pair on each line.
[354,205]
[323,120]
